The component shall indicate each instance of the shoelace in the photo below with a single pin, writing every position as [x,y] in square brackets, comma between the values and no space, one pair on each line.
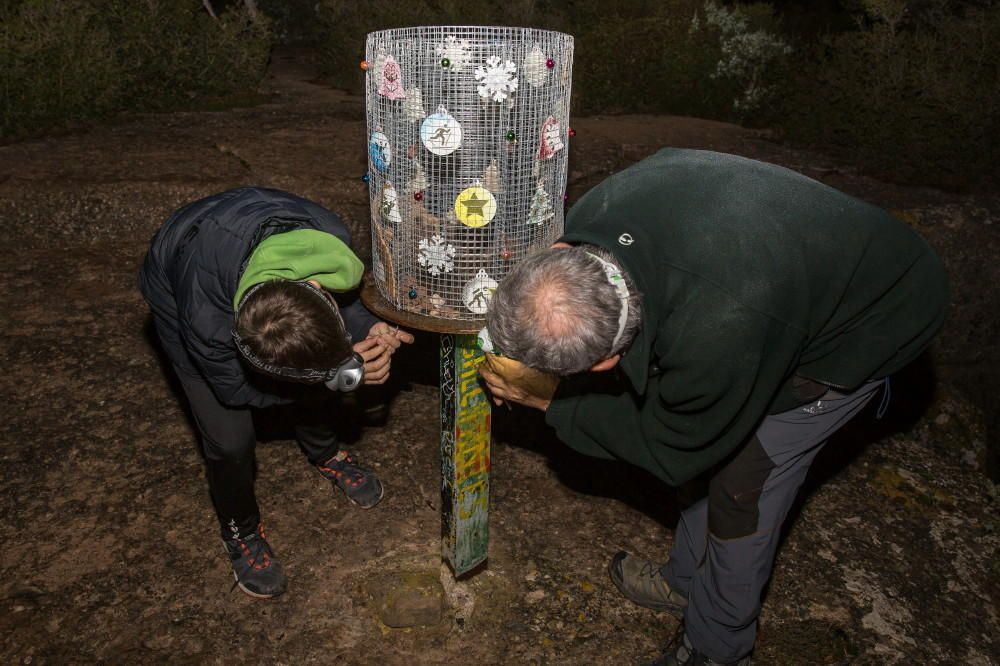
[343,458]
[257,553]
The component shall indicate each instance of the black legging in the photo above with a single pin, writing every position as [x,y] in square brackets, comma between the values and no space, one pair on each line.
[228,441]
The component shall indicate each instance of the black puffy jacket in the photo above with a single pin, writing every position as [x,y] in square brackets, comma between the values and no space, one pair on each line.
[191,273]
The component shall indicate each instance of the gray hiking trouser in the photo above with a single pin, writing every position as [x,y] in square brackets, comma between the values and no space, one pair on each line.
[725,543]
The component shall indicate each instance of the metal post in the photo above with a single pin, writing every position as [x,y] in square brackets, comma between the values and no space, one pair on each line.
[465,455]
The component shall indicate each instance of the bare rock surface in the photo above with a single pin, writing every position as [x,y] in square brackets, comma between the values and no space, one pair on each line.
[110,549]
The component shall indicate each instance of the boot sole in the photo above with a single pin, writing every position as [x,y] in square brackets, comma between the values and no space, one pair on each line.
[255,595]
[677,610]
[381,494]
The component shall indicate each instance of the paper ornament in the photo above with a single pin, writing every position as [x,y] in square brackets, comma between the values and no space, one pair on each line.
[389,205]
[478,291]
[475,206]
[497,79]
[541,206]
[440,133]
[453,53]
[382,263]
[491,177]
[390,79]
[413,105]
[436,255]
[379,151]
[550,141]
[535,71]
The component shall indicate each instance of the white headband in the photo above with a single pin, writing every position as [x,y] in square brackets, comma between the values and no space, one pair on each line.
[616,280]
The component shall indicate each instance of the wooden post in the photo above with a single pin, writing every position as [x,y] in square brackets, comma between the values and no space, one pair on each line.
[465,455]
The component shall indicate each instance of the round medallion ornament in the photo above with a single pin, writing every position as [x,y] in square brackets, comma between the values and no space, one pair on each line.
[475,206]
[478,291]
[440,133]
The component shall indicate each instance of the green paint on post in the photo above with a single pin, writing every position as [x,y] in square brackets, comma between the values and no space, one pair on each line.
[465,454]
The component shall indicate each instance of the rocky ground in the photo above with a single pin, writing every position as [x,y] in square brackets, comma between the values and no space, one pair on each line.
[109,549]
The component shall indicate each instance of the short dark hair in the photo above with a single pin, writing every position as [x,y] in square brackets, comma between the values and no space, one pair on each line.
[287,324]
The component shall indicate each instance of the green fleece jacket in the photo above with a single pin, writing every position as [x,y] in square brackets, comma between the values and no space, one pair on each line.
[756,282]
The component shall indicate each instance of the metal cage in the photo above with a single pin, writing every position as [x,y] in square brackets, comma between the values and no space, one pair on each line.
[468,137]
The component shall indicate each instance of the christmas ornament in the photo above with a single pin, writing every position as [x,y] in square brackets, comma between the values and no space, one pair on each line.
[478,291]
[389,205]
[379,151]
[413,105]
[412,293]
[497,79]
[475,206]
[419,181]
[364,65]
[419,196]
[382,263]
[440,133]
[541,206]
[491,178]
[365,178]
[511,136]
[535,71]
[390,79]
[436,255]
[454,53]
[505,254]
[551,139]
[571,132]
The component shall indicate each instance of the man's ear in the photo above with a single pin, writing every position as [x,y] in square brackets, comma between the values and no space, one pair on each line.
[606,364]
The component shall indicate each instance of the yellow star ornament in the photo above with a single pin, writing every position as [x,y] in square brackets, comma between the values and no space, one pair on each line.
[475,206]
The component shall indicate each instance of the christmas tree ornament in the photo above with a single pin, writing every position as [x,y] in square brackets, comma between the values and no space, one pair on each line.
[454,53]
[436,255]
[418,196]
[418,183]
[571,132]
[535,71]
[475,206]
[505,254]
[390,79]
[379,151]
[412,293]
[365,178]
[364,65]
[550,63]
[440,132]
[413,105]
[550,141]
[541,206]
[511,136]
[389,205]
[491,178]
[497,79]
[478,291]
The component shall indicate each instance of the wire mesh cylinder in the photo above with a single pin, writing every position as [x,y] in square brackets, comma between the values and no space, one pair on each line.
[467,155]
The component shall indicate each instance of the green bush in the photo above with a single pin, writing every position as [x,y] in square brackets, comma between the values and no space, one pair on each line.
[65,61]
[915,95]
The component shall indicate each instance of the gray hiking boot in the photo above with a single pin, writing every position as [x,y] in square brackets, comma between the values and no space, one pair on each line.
[641,583]
[360,485]
[680,652]
[255,568]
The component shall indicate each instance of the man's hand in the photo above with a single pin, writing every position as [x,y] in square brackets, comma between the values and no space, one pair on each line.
[377,350]
[504,392]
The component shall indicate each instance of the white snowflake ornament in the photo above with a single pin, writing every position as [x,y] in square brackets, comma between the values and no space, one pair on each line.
[435,255]
[497,80]
[454,53]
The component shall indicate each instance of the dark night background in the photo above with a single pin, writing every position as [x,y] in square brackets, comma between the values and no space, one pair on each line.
[113,113]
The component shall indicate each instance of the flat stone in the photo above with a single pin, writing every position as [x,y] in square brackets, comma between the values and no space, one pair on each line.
[408,599]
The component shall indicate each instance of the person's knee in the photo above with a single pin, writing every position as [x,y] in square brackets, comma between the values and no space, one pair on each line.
[231,442]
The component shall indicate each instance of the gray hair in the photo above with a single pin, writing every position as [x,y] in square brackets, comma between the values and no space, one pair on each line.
[557,312]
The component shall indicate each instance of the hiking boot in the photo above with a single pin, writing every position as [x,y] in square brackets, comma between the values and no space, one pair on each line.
[360,485]
[641,583]
[680,652]
[256,570]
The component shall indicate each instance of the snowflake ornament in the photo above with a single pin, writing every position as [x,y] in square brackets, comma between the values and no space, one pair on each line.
[497,79]
[455,52]
[435,255]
